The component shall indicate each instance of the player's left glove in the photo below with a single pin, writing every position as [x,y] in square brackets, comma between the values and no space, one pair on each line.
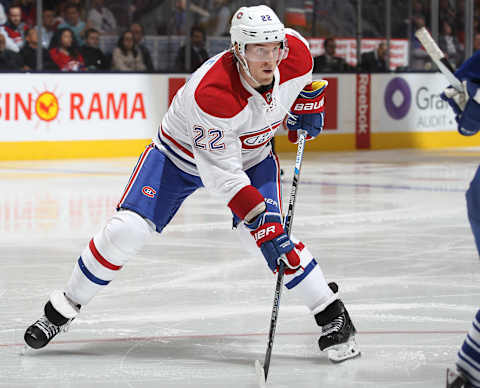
[268,232]
[466,105]
[307,112]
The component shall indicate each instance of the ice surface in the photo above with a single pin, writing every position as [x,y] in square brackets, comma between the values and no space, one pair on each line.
[192,310]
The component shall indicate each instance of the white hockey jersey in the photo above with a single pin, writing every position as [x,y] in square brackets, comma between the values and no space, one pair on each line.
[218,126]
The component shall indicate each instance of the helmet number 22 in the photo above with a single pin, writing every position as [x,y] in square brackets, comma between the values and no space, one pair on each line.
[266,18]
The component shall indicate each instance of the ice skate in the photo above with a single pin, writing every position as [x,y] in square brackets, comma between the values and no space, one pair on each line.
[456,380]
[338,333]
[42,331]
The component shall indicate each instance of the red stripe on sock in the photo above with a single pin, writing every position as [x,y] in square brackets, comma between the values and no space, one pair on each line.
[100,258]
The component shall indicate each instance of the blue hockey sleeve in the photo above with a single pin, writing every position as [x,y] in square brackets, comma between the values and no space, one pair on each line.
[470,69]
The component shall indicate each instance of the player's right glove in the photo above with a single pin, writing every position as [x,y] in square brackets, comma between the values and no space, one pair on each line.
[466,105]
[268,232]
[307,112]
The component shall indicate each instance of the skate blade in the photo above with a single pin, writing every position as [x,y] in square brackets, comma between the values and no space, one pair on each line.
[454,380]
[343,352]
[25,350]
[260,374]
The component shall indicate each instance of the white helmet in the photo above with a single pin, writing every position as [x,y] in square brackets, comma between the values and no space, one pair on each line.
[258,24]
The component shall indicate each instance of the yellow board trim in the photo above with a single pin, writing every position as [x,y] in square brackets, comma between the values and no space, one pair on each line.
[324,142]
[36,150]
[384,140]
[422,140]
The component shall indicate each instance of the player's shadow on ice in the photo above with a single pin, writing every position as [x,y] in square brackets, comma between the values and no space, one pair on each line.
[228,350]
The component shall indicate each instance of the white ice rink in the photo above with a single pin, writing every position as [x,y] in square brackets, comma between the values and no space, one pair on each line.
[192,310]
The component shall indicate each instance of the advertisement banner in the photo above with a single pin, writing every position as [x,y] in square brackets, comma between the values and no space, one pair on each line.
[410,103]
[80,106]
[362,127]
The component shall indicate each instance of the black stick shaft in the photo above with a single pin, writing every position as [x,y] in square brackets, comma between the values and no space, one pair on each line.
[281,269]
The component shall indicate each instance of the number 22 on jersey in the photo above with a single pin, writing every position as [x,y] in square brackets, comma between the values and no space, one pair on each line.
[210,139]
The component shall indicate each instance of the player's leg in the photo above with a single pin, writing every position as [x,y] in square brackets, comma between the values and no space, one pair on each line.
[468,359]
[154,193]
[473,207]
[308,282]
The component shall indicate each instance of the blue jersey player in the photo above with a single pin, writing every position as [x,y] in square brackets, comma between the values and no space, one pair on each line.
[466,105]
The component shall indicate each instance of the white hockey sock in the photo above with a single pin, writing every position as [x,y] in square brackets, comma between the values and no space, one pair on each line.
[122,237]
[309,282]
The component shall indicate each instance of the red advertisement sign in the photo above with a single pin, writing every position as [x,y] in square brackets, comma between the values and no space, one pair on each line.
[362,119]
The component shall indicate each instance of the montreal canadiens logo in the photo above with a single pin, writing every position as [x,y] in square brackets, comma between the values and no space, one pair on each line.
[259,138]
[149,191]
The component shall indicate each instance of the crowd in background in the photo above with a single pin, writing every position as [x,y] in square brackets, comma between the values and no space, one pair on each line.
[72,31]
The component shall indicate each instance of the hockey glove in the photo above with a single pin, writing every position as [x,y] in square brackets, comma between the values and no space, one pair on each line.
[307,112]
[268,232]
[466,105]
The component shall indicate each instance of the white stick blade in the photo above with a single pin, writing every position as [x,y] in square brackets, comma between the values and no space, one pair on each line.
[260,374]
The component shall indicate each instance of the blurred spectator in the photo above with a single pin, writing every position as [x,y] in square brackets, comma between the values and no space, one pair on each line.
[64,51]
[10,43]
[418,9]
[92,55]
[375,61]
[328,62]
[73,22]
[48,26]
[28,53]
[449,44]
[476,42]
[138,37]
[198,53]
[29,12]
[218,23]
[3,15]
[180,14]
[8,58]
[126,56]
[101,18]
[446,13]
[459,25]
[14,26]
[81,6]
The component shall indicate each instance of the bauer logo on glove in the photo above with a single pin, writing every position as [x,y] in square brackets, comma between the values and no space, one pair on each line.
[307,112]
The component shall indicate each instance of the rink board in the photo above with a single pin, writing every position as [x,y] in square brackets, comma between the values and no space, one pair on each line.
[109,115]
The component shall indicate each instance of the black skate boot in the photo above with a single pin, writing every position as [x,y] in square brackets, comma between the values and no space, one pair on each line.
[456,380]
[41,332]
[338,331]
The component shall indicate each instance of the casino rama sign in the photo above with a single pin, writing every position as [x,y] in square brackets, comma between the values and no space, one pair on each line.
[430,110]
[78,106]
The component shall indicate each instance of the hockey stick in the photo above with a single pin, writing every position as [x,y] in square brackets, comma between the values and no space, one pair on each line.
[262,372]
[438,57]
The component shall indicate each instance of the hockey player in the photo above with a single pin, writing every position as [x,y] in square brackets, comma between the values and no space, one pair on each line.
[466,105]
[217,134]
